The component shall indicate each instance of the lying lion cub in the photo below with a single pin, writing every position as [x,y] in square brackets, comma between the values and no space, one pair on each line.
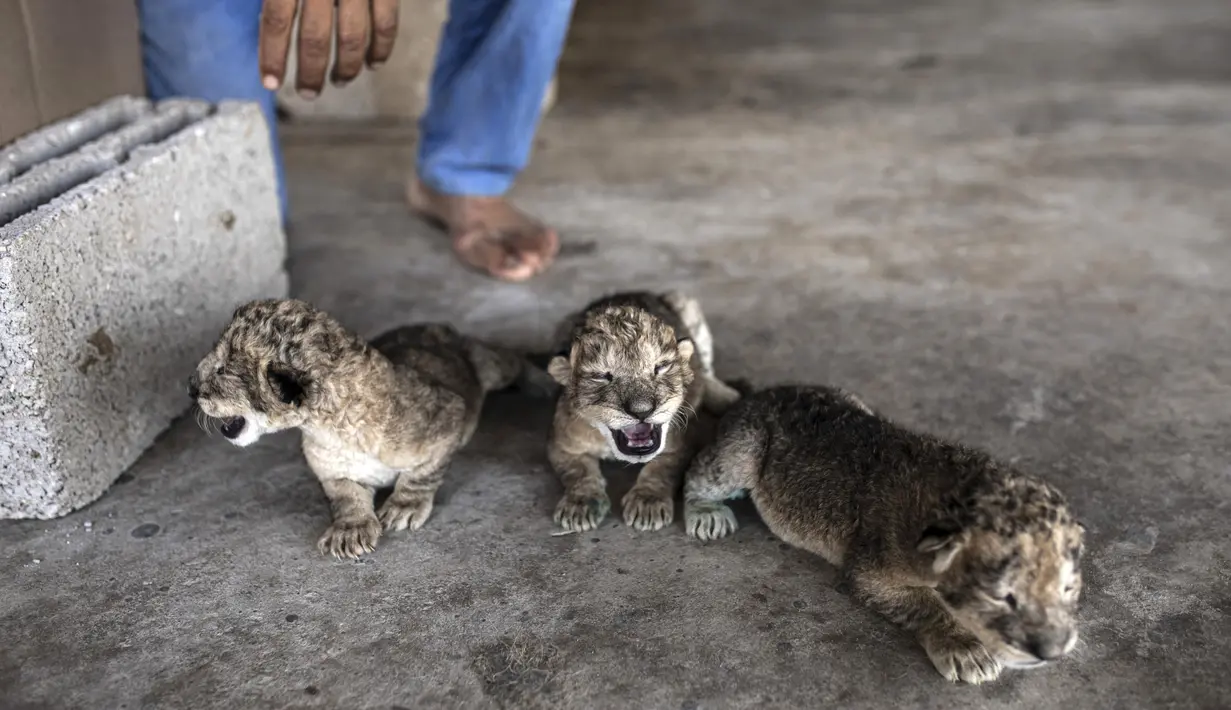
[634,367]
[980,561]
[389,412]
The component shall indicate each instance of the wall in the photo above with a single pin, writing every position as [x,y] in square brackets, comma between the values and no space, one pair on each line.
[51,68]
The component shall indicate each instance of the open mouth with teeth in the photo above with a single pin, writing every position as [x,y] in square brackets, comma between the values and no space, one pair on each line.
[638,439]
[233,426]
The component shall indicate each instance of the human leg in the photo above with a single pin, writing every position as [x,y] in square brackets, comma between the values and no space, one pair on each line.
[207,50]
[496,60]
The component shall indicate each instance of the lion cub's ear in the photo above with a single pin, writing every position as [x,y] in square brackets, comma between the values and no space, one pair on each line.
[560,369]
[289,386]
[685,347]
[943,542]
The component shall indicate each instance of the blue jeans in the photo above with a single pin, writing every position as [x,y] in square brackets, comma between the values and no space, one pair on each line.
[495,61]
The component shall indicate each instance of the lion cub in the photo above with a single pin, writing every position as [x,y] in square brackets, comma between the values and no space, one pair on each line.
[980,561]
[392,412]
[633,367]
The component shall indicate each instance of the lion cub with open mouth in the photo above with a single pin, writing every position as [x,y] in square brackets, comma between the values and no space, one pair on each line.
[389,412]
[979,560]
[634,367]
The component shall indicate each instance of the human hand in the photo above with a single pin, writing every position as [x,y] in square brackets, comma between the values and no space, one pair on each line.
[366,30]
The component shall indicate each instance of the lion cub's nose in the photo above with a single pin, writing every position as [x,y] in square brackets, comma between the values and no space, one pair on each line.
[639,407]
[1050,646]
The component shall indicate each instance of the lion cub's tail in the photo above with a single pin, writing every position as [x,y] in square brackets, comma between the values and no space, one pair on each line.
[500,368]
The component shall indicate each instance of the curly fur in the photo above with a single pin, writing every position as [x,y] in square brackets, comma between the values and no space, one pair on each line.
[981,561]
[389,412]
[627,362]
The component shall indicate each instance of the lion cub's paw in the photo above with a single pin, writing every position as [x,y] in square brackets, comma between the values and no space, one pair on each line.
[648,511]
[401,514]
[580,512]
[350,537]
[709,521]
[961,657]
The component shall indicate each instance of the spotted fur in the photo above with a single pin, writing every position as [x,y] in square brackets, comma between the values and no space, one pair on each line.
[981,561]
[628,360]
[391,412]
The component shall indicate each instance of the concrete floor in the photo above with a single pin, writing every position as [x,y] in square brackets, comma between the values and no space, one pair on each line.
[1004,221]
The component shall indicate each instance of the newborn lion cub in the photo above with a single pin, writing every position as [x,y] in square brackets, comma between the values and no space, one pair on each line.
[392,412]
[634,367]
[980,561]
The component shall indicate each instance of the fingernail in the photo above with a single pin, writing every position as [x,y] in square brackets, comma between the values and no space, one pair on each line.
[376,65]
[270,82]
[307,94]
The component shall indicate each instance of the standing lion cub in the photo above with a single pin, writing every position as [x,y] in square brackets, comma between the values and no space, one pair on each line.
[980,561]
[389,412]
[634,368]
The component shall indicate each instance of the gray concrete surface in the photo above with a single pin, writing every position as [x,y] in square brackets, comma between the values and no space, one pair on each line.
[1000,220]
[124,255]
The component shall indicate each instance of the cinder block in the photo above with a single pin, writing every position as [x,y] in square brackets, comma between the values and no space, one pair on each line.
[130,232]
[66,135]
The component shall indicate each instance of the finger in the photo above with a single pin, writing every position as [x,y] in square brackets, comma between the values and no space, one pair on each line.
[384,31]
[277,22]
[315,45]
[353,22]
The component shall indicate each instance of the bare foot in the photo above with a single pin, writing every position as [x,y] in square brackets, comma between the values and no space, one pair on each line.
[399,513]
[646,511]
[960,656]
[350,537]
[581,510]
[709,520]
[488,233]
